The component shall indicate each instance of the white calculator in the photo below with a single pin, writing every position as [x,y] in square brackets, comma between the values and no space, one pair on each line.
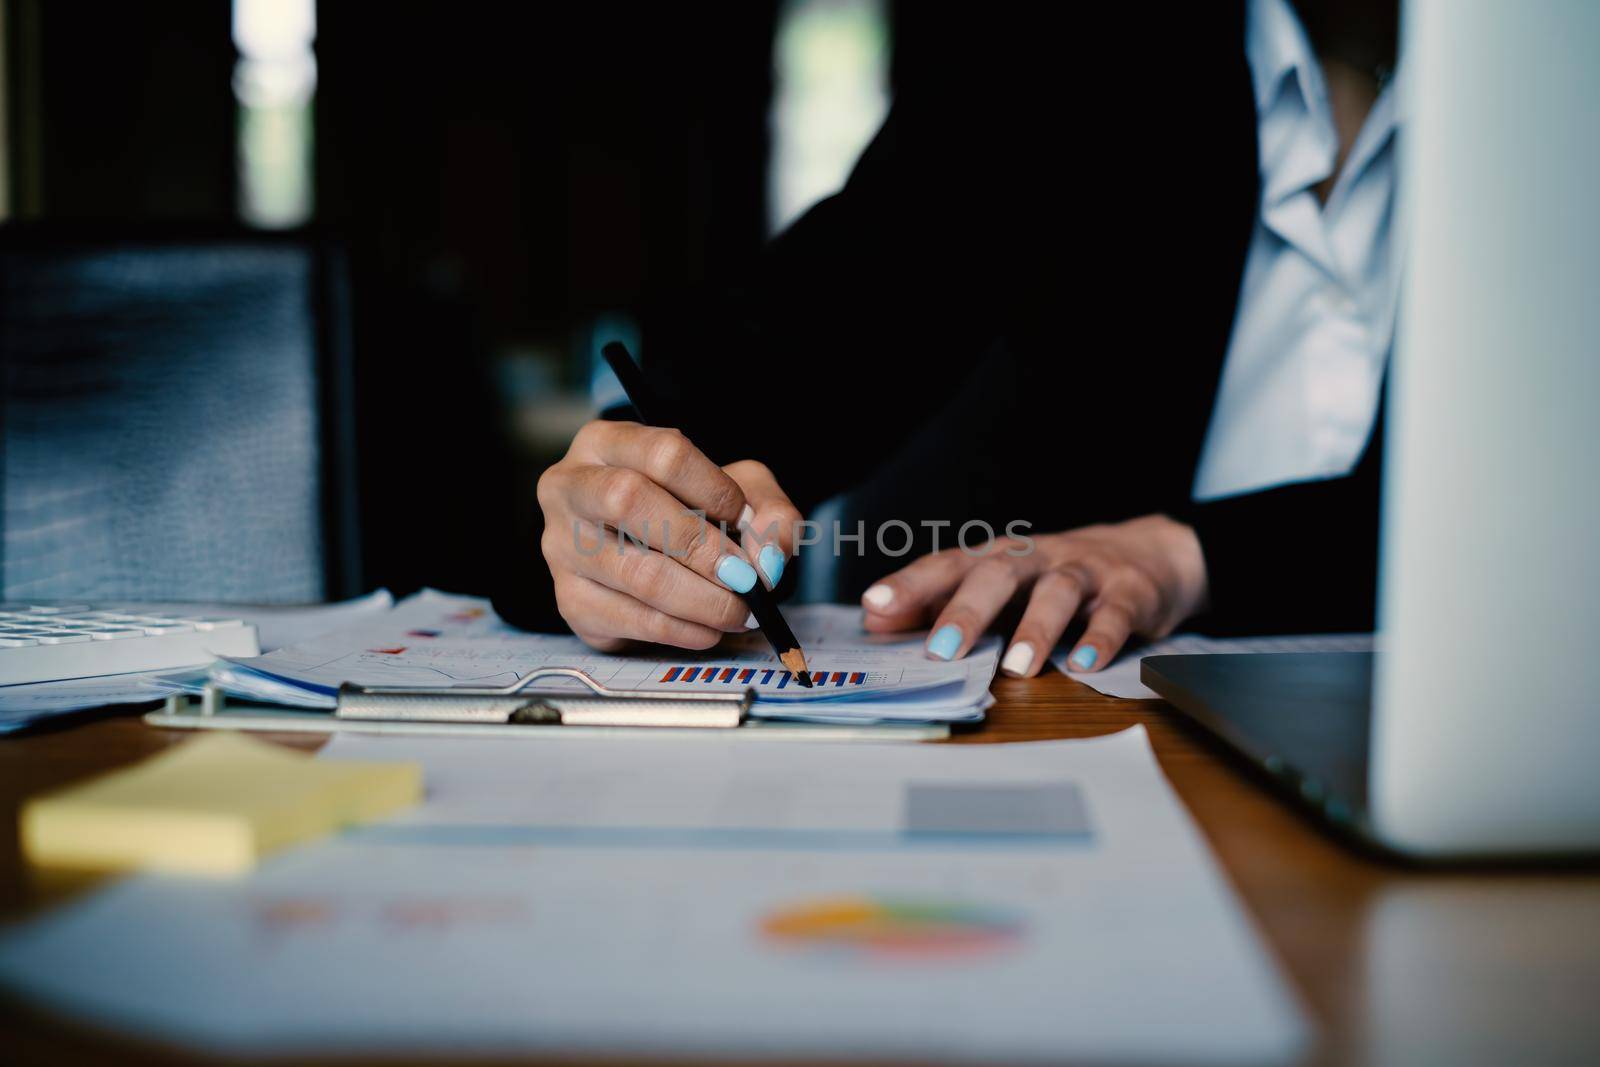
[49,642]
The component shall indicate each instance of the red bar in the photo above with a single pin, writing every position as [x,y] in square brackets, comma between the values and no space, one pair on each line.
[673,673]
[689,674]
[727,673]
[857,678]
[745,675]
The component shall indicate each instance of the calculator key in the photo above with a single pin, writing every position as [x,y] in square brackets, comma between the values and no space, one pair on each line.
[208,623]
[156,629]
[16,641]
[56,609]
[115,633]
[60,637]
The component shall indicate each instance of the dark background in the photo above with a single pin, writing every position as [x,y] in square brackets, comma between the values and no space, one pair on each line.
[501,175]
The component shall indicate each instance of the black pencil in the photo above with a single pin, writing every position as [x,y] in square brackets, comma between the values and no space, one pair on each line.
[648,406]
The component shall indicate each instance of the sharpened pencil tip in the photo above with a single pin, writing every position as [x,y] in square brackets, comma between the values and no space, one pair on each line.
[795,660]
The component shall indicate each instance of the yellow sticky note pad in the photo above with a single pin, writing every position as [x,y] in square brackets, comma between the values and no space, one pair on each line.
[212,805]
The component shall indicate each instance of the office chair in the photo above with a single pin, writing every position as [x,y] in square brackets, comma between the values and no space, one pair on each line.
[174,418]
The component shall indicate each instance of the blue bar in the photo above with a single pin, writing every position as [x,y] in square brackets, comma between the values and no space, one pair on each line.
[784,680]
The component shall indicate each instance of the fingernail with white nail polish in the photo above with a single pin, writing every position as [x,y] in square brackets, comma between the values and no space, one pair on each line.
[750,621]
[878,598]
[1018,659]
[746,517]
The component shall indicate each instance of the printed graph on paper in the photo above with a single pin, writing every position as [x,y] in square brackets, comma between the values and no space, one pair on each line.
[680,675]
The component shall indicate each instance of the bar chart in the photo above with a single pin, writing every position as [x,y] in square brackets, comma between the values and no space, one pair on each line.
[768,678]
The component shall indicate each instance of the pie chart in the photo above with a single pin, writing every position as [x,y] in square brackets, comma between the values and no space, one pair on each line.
[892,926]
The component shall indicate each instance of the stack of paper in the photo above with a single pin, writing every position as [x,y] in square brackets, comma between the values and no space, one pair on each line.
[212,805]
[435,639]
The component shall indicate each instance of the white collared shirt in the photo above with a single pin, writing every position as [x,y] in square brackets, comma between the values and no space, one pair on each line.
[1304,367]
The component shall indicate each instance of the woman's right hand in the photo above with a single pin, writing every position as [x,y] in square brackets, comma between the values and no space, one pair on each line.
[622,483]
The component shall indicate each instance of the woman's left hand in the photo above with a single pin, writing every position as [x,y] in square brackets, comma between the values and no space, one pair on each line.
[1141,577]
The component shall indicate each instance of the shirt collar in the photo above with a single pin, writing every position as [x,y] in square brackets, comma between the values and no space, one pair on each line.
[1277,47]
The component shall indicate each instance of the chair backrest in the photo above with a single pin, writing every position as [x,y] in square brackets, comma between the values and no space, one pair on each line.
[173,418]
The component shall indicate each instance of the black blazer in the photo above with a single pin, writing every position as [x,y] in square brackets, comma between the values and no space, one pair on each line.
[1017,308]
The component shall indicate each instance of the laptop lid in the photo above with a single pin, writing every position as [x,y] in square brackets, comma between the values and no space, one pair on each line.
[1486,731]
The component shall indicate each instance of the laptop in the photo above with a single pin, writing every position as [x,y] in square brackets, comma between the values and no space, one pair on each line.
[1474,731]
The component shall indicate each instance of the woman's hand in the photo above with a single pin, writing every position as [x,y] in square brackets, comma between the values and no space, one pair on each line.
[1143,577]
[621,484]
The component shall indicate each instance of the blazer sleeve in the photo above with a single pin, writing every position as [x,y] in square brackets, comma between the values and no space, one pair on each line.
[1297,559]
[841,338]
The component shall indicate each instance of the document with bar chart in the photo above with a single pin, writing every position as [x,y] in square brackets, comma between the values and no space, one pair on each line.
[449,641]
[847,664]
[831,678]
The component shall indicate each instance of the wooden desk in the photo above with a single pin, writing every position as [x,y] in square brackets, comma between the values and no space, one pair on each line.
[1396,966]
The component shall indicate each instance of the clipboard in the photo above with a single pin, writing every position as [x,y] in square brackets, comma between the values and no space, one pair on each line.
[594,711]
[514,705]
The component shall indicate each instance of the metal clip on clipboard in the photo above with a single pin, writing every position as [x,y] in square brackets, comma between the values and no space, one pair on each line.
[600,706]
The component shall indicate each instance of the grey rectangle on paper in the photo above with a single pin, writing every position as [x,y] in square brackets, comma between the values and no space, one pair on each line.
[1047,809]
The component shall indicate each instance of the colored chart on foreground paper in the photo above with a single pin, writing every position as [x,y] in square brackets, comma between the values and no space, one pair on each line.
[893,926]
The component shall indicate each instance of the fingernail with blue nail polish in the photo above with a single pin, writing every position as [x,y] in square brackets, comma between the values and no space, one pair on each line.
[1085,657]
[771,561]
[736,574]
[945,642]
